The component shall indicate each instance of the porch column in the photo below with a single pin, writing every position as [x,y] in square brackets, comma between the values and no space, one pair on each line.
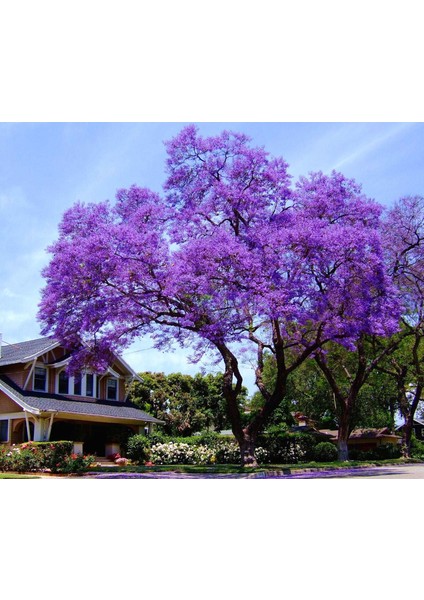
[27,426]
[42,428]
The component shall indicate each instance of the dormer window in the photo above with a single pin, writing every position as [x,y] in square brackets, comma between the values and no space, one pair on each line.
[112,389]
[77,384]
[89,385]
[81,384]
[40,379]
[63,383]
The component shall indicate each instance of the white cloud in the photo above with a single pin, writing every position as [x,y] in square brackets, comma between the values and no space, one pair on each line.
[371,144]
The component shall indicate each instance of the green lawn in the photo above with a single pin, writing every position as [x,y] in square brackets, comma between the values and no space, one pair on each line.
[17,476]
[223,469]
[228,469]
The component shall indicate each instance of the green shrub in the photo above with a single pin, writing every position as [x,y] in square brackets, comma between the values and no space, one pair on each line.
[75,463]
[55,453]
[204,449]
[157,437]
[382,452]
[325,452]
[56,457]
[287,447]
[138,448]
[386,451]
[207,438]
[417,448]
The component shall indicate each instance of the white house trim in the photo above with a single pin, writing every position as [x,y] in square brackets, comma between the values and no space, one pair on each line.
[114,373]
[41,352]
[30,373]
[18,400]
[60,365]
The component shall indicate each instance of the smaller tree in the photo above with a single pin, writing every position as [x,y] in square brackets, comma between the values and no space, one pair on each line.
[186,404]
[309,392]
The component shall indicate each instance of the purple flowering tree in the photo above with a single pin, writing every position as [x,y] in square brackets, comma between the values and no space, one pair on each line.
[403,238]
[230,260]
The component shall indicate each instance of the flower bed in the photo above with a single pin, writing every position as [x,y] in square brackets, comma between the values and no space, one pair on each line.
[56,457]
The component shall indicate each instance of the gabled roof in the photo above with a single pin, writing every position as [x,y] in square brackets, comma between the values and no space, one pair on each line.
[39,402]
[23,352]
[365,433]
[415,422]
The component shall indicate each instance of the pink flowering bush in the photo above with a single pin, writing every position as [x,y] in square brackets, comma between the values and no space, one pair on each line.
[55,457]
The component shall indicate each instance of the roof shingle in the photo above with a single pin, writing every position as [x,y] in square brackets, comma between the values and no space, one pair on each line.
[54,402]
[23,351]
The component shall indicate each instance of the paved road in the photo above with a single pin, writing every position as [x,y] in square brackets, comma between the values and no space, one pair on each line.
[411,471]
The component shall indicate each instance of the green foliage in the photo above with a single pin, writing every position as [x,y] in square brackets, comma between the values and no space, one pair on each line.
[186,404]
[417,448]
[286,447]
[138,447]
[325,452]
[56,457]
[308,392]
[75,463]
[206,449]
[382,452]
[55,453]
[208,438]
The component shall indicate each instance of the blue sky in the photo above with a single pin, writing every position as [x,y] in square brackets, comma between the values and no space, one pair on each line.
[46,167]
[278,61]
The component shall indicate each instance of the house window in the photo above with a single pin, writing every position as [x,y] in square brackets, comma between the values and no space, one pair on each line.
[112,389]
[40,379]
[63,383]
[78,385]
[89,385]
[4,430]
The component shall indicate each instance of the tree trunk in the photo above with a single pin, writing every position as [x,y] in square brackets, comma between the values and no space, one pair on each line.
[247,451]
[344,431]
[406,438]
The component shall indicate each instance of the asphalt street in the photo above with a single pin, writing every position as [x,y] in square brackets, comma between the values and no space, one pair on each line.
[410,471]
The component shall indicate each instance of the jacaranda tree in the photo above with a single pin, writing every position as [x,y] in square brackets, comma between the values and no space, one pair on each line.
[231,259]
[403,238]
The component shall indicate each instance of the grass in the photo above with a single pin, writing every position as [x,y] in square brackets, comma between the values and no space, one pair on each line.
[287,469]
[228,469]
[17,476]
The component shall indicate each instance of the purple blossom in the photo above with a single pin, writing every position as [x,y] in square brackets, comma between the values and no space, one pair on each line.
[230,255]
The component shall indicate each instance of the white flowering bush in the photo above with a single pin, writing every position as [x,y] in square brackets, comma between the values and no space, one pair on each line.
[179,453]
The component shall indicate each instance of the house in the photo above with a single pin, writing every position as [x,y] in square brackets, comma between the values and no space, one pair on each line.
[417,426]
[307,425]
[40,402]
[365,439]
